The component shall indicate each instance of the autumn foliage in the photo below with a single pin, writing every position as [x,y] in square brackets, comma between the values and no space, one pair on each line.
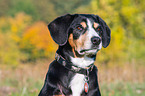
[23,41]
[37,42]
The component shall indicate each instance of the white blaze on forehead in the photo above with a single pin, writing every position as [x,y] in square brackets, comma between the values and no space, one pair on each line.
[91,30]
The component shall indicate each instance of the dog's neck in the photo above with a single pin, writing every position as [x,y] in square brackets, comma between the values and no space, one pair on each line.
[82,62]
[67,52]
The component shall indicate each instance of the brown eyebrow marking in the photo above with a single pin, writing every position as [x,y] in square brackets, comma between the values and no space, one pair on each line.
[95,25]
[84,24]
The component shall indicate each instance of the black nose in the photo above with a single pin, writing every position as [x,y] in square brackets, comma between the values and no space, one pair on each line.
[95,40]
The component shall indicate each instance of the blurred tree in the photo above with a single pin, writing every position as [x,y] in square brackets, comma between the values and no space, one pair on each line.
[18,25]
[37,42]
[11,29]
[68,6]
[27,6]
[45,9]
[5,5]
[9,51]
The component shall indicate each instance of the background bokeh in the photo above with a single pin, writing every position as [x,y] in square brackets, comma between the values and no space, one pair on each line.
[26,47]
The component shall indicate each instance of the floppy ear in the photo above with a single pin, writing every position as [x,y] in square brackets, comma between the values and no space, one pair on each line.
[106,34]
[59,28]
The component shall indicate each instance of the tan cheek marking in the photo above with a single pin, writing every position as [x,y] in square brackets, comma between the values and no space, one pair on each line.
[77,44]
[72,44]
[84,38]
[83,24]
[96,25]
[70,40]
[80,42]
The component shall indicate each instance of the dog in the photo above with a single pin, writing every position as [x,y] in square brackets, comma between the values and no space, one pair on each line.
[80,37]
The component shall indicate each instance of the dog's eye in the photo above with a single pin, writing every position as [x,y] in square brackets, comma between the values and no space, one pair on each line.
[80,28]
[98,29]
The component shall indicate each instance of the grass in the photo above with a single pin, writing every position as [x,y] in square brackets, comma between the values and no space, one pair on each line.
[123,89]
[28,79]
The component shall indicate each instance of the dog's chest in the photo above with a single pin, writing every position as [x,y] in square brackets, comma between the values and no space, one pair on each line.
[78,81]
[77,84]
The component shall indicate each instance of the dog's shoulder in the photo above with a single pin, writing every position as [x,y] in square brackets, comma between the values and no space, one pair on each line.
[58,71]
[55,68]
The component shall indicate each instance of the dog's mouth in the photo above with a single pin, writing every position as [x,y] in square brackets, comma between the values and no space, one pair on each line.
[85,50]
[88,51]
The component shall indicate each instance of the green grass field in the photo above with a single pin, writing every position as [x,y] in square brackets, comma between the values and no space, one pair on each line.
[27,80]
[113,89]
[123,89]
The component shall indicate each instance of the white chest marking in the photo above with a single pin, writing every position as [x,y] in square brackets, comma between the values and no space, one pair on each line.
[77,84]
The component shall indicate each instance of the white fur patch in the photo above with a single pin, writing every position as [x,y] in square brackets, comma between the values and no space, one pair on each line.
[77,84]
[91,30]
[82,62]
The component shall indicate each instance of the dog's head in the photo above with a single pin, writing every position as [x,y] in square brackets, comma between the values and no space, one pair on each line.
[86,33]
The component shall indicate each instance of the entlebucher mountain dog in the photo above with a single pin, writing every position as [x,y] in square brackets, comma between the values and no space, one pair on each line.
[73,73]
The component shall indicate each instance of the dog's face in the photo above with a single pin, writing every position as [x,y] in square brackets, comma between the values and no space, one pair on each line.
[85,33]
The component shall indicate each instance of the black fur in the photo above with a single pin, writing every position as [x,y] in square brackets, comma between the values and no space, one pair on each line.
[58,77]
[59,28]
